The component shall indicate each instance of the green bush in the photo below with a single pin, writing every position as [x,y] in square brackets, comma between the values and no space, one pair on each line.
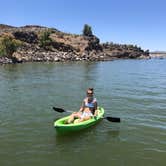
[8,45]
[87,30]
[44,39]
[2,51]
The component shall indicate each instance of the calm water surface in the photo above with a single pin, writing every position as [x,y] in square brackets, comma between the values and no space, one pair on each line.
[134,90]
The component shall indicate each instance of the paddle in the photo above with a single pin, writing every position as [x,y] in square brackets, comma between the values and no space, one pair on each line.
[111,119]
[60,110]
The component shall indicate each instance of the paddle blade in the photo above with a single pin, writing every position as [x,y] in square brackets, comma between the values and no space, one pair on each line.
[58,109]
[112,119]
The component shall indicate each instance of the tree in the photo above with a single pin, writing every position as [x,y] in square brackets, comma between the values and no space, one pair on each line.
[87,30]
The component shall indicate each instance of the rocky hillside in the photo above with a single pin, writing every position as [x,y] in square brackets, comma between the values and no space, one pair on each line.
[38,43]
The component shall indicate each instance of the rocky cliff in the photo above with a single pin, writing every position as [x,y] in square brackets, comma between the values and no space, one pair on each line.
[40,43]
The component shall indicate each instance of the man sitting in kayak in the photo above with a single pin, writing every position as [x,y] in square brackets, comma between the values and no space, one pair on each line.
[87,110]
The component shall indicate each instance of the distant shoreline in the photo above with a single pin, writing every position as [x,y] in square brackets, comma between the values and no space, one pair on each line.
[158,54]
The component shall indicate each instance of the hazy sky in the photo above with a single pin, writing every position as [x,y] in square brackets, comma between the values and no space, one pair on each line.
[138,22]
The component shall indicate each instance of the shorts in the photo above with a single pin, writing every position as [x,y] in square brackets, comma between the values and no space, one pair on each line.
[86,114]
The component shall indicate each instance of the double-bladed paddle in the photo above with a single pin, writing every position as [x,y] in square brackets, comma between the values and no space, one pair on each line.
[111,119]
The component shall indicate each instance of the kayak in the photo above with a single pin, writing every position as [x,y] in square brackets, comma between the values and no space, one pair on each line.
[62,127]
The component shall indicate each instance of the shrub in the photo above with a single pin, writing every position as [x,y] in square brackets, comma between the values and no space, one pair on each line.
[44,39]
[8,45]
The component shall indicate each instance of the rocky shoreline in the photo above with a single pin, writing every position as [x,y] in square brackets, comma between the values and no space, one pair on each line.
[62,47]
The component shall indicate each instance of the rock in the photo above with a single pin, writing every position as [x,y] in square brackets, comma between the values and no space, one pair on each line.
[5,60]
[17,57]
[56,59]
[29,37]
[144,57]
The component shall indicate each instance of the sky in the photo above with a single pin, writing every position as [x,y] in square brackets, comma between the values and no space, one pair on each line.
[137,22]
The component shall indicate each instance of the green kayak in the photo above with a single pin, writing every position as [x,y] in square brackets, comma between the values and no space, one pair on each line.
[62,127]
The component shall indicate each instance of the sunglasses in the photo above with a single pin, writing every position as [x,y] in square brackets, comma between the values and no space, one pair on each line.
[89,93]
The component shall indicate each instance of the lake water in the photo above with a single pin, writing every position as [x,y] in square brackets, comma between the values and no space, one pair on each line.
[134,90]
